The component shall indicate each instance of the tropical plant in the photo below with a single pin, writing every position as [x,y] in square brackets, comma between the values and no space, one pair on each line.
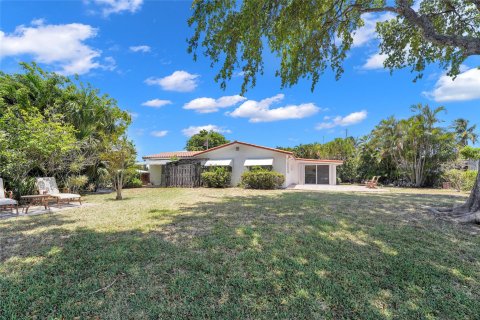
[417,145]
[119,161]
[463,132]
[205,140]
[54,126]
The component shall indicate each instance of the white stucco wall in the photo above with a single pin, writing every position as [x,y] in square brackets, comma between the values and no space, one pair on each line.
[247,152]
[155,174]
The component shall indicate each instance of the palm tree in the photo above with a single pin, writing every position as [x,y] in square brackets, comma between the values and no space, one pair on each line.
[463,132]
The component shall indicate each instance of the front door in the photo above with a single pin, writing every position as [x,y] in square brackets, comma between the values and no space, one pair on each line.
[317,174]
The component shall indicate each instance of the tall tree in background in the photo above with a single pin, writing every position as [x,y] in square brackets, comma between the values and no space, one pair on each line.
[205,140]
[418,145]
[464,133]
[310,36]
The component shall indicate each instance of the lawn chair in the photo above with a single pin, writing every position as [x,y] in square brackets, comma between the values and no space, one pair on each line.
[372,184]
[48,185]
[6,199]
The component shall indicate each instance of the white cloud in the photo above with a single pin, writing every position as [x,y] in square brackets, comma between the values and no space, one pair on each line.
[180,81]
[368,33]
[209,105]
[118,6]
[465,87]
[133,115]
[190,131]
[61,45]
[259,111]
[339,121]
[159,134]
[375,61]
[142,48]
[156,103]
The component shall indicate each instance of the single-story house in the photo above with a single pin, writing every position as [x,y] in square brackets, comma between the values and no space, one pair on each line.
[241,156]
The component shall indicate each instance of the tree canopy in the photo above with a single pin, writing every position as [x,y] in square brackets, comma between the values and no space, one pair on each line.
[205,140]
[53,125]
[310,36]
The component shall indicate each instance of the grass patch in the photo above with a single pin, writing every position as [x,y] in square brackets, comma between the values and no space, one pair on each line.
[232,253]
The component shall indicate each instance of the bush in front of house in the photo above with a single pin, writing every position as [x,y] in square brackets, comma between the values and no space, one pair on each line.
[134,183]
[460,179]
[262,179]
[216,177]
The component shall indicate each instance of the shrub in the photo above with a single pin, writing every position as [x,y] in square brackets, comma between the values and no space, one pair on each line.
[461,180]
[134,183]
[469,181]
[262,179]
[75,183]
[217,177]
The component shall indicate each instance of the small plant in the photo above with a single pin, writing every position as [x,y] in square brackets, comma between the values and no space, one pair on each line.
[75,183]
[262,179]
[217,177]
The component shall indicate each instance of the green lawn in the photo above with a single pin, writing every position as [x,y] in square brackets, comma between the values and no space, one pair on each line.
[226,254]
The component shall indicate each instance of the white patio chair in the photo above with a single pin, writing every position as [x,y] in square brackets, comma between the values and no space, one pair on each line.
[48,186]
[6,200]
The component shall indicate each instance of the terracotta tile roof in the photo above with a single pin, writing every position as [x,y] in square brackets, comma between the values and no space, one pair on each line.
[171,154]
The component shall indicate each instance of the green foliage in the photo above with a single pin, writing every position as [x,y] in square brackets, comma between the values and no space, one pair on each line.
[411,150]
[417,145]
[309,37]
[51,125]
[217,177]
[469,176]
[463,132]
[262,179]
[198,142]
[76,183]
[470,153]
[119,161]
[134,183]
[461,179]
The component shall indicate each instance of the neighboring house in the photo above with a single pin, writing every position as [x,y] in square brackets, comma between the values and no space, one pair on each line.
[241,156]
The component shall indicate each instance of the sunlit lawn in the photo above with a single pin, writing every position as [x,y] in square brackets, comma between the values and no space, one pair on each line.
[226,254]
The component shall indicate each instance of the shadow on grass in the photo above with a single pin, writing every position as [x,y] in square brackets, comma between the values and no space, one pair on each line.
[289,255]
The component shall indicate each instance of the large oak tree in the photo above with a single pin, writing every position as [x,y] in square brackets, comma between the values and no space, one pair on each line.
[310,36]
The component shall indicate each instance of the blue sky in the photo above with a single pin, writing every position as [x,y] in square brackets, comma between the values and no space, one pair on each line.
[136,51]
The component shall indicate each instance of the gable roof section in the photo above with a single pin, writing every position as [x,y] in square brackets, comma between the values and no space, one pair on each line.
[245,144]
[171,154]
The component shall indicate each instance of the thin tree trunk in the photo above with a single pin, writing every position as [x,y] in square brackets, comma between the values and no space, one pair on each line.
[119,187]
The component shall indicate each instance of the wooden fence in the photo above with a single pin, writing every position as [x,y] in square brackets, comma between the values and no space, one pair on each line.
[183,175]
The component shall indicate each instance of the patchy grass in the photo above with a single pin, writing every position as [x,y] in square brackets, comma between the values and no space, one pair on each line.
[232,253]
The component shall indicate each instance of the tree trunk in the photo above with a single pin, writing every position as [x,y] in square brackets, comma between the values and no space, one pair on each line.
[470,210]
[119,187]
[119,193]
